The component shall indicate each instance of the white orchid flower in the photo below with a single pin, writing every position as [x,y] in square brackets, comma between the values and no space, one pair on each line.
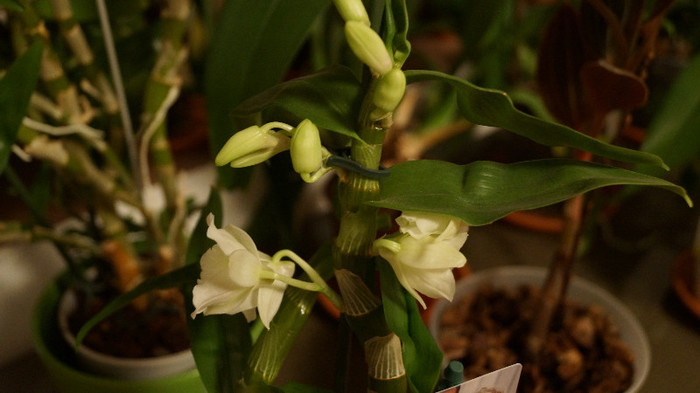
[236,277]
[424,252]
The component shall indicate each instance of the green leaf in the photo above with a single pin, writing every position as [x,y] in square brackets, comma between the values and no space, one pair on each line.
[494,108]
[16,88]
[12,5]
[330,98]
[397,30]
[482,192]
[220,343]
[421,355]
[252,47]
[673,133]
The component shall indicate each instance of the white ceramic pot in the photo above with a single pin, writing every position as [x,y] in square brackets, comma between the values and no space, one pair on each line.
[118,367]
[580,290]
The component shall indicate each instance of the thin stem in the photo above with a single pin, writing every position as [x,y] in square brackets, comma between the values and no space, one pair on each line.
[388,244]
[119,86]
[307,286]
[94,136]
[284,128]
[313,275]
[151,130]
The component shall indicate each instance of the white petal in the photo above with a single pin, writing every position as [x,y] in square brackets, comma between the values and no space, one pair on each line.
[434,283]
[269,300]
[428,254]
[419,225]
[244,268]
[215,267]
[250,314]
[211,299]
[242,238]
[223,238]
[402,276]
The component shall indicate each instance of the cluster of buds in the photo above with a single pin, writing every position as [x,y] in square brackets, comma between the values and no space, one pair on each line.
[369,47]
[257,144]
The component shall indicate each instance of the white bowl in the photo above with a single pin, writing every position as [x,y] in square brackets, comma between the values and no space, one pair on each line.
[118,367]
[631,330]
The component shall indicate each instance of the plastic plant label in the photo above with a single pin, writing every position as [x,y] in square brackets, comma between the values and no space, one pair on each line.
[504,380]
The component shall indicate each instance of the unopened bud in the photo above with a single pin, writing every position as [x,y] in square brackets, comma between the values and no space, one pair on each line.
[251,146]
[388,93]
[305,148]
[352,10]
[368,46]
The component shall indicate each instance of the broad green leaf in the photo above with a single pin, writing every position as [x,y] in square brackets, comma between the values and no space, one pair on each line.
[674,132]
[494,108]
[220,343]
[16,87]
[330,98]
[252,47]
[483,191]
[421,355]
[12,5]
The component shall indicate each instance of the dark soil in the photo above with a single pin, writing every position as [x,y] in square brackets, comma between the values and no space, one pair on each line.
[153,325]
[583,352]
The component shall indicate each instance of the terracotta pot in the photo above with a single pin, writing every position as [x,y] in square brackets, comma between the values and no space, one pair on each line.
[584,292]
[683,279]
[62,363]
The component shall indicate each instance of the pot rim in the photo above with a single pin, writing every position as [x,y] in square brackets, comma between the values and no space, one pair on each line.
[120,367]
[586,292]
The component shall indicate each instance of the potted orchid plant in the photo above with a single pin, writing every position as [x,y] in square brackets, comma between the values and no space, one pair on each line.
[400,229]
[101,185]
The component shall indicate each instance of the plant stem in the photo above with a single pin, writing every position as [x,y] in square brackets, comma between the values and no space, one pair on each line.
[358,228]
[73,34]
[558,275]
[51,73]
[164,77]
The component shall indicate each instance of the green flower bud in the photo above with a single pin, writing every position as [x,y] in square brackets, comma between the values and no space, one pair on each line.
[305,148]
[368,46]
[251,146]
[352,10]
[388,93]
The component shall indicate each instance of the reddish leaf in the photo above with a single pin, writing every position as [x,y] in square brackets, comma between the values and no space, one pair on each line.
[609,88]
[560,58]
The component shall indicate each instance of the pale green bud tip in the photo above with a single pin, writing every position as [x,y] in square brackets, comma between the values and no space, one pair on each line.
[251,146]
[305,148]
[352,10]
[388,93]
[368,46]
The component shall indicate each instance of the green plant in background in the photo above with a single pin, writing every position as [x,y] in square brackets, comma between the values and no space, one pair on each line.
[68,117]
[334,119]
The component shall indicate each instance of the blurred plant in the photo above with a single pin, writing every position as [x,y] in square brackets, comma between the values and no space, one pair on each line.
[82,165]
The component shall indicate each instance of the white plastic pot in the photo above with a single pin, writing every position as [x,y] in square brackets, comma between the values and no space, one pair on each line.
[580,290]
[118,367]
